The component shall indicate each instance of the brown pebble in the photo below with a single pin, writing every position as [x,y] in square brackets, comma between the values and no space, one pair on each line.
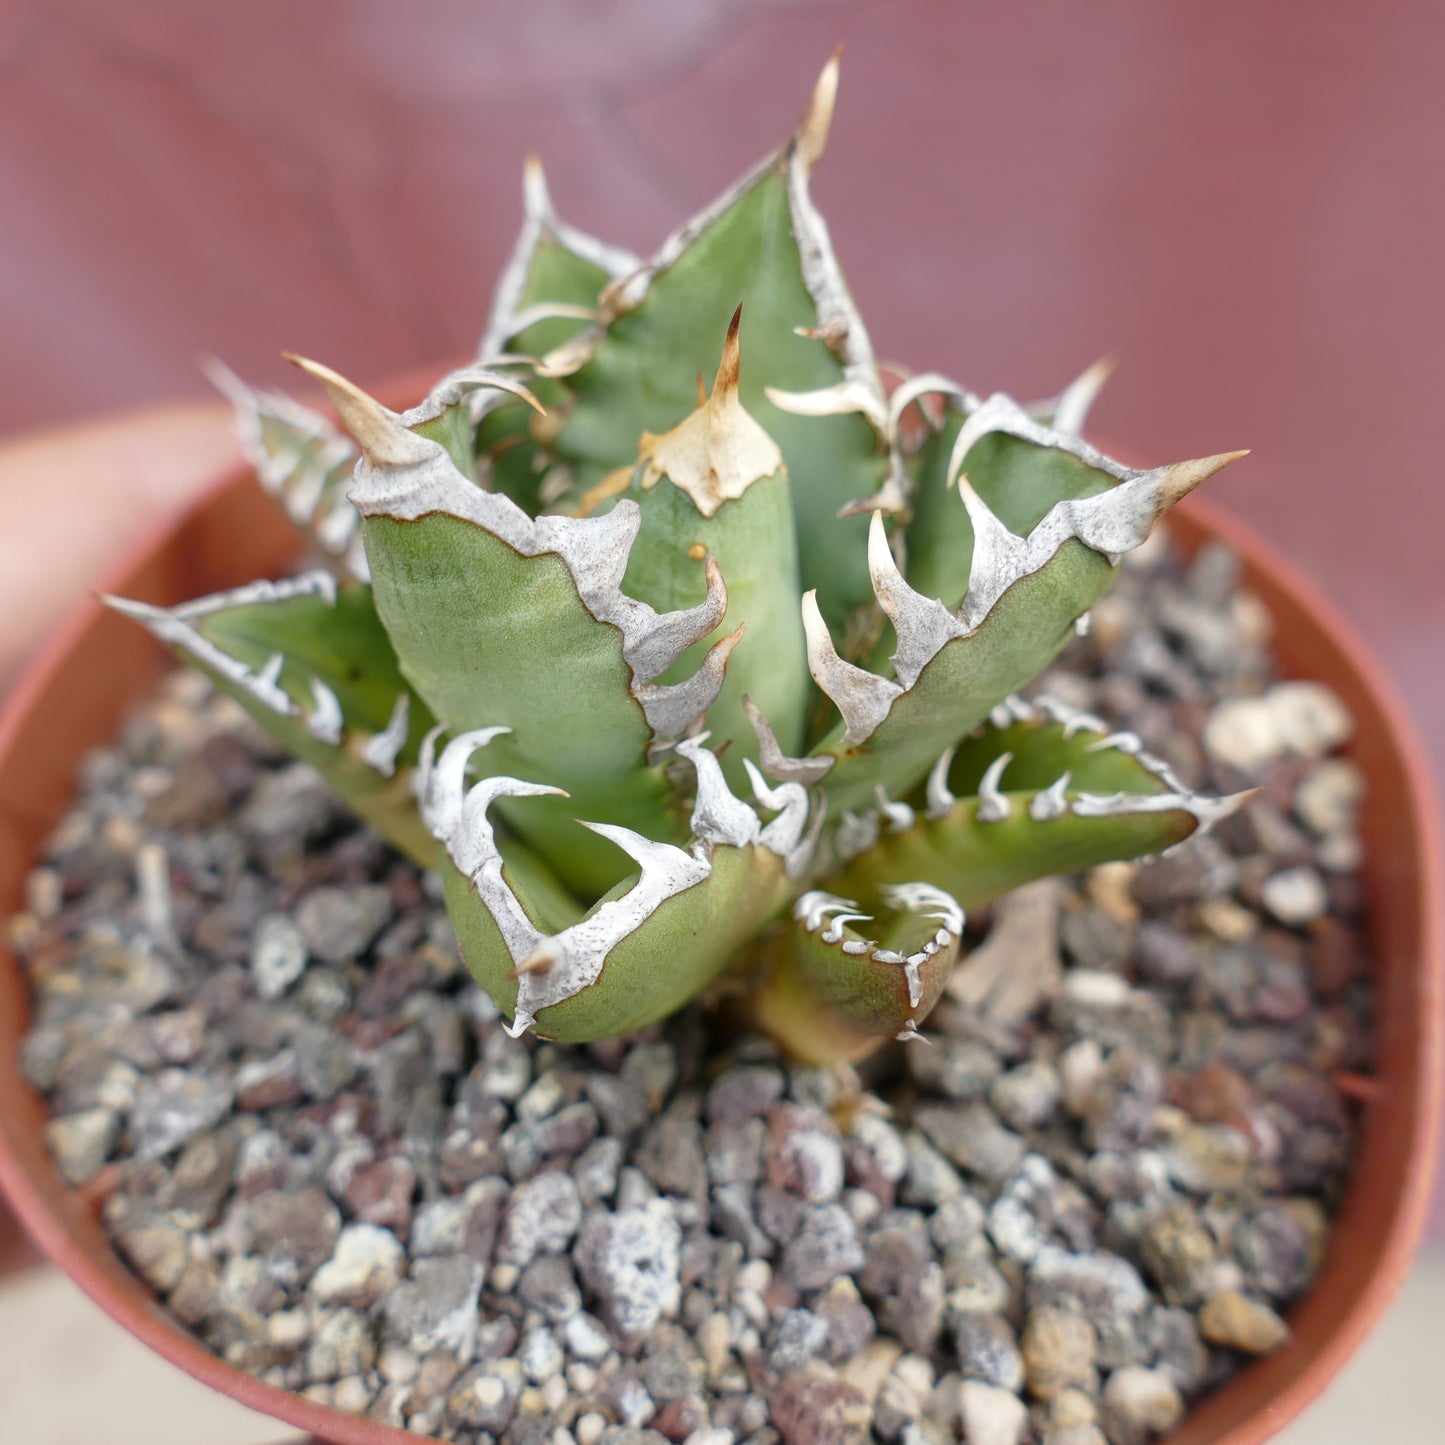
[1059,1348]
[1233,1319]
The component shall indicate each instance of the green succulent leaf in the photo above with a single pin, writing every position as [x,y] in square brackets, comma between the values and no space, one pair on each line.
[314,666]
[1051,792]
[849,971]
[646,946]
[952,662]
[565,583]
[303,461]
[501,619]
[716,487]
[1018,479]
[547,295]
[761,245]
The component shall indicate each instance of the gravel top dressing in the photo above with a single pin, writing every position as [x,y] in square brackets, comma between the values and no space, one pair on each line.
[1085,1201]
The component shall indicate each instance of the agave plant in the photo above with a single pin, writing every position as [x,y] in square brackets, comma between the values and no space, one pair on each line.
[675,683]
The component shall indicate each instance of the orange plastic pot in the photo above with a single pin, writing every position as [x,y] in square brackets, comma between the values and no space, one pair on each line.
[78,690]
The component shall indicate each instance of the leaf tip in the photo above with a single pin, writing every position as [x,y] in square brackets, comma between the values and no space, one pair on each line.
[378,431]
[536,198]
[1183,477]
[811,136]
[729,369]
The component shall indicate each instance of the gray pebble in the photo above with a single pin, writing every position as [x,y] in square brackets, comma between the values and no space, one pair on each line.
[339,923]
[1027,1097]
[343,1344]
[173,1107]
[596,1171]
[485,1396]
[826,1246]
[542,1216]
[630,1260]
[930,1179]
[747,1092]
[804,1153]
[549,1286]
[988,1350]
[278,954]
[436,1307]
[972,1138]
[905,1282]
[671,1155]
[958,1069]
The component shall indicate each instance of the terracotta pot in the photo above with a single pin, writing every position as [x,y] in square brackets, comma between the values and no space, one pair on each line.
[75,694]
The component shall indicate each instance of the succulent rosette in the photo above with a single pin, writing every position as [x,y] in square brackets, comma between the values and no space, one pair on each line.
[673,681]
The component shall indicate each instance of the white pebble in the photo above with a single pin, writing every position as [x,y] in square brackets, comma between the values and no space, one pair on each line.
[351,1395]
[710,1435]
[1295,896]
[1328,797]
[398,1365]
[1095,988]
[1147,1400]
[1340,852]
[367,1261]
[1080,1066]
[589,1428]
[991,1416]
[288,1328]
[1304,718]
[1312,721]
[916,1372]
[586,1339]
[756,1274]
[1241,732]
[278,955]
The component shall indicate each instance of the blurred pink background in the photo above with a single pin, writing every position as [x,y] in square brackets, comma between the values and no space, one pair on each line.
[1241,202]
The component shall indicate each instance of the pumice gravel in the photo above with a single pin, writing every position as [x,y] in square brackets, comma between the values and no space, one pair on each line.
[1083,1202]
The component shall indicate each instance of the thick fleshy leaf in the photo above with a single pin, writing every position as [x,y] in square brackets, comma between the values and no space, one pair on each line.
[852,971]
[953,662]
[315,667]
[1019,481]
[1044,791]
[715,488]
[645,947]
[303,461]
[761,245]
[501,619]
[554,270]
[548,293]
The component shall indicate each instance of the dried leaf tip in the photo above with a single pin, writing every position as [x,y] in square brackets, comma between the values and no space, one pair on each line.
[378,431]
[536,199]
[719,451]
[811,137]
[730,367]
[1071,410]
[1183,477]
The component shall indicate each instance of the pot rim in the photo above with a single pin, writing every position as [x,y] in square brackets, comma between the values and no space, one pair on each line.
[65,1223]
